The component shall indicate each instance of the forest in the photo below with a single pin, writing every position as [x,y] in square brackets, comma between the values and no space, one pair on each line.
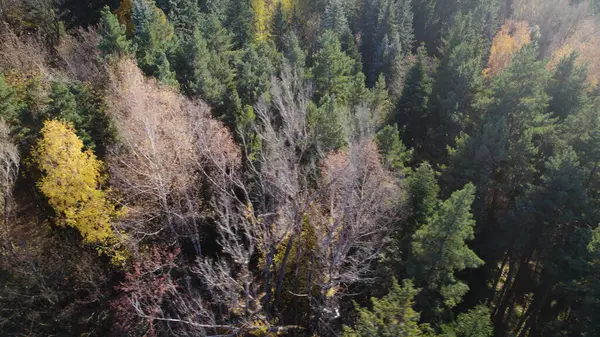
[352,168]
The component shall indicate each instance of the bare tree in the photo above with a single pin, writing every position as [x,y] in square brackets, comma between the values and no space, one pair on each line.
[79,54]
[264,211]
[9,170]
[153,165]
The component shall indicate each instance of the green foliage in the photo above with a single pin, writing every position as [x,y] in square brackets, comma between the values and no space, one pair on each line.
[395,155]
[423,191]
[391,315]
[240,22]
[8,108]
[412,110]
[77,104]
[333,69]
[254,71]
[184,15]
[567,89]
[329,123]
[473,323]
[113,42]
[153,40]
[439,247]
[458,79]
[387,35]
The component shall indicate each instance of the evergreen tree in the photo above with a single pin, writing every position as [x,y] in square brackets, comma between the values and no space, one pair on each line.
[333,69]
[153,40]
[391,316]
[439,248]
[412,110]
[473,323]
[387,38]
[567,89]
[394,154]
[113,42]
[334,18]
[240,22]
[184,15]
[281,26]
[423,190]
[8,107]
[458,79]
[329,125]
[254,72]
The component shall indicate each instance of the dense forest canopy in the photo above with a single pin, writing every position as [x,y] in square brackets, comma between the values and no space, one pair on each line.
[300,168]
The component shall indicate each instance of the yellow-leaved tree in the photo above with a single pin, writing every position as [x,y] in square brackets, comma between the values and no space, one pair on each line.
[264,11]
[71,182]
[508,41]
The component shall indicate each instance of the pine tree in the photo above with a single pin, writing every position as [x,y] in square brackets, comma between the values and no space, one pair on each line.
[184,15]
[334,18]
[113,41]
[329,124]
[391,316]
[387,38]
[423,190]
[281,26]
[439,248]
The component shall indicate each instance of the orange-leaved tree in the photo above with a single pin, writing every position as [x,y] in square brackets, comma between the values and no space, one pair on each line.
[71,182]
[508,41]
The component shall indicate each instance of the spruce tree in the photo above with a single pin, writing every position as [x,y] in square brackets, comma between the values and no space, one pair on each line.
[412,110]
[254,72]
[473,323]
[153,40]
[240,22]
[113,41]
[391,316]
[395,155]
[567,88]
[458,79]
[439,247]
[333,69]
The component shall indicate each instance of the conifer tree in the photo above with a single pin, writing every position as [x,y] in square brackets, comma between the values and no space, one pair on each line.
[412,110]
[240,22]
[184,15]
[391,315]
[394,154]
[254,72]
[153,40]
[458,78]
[113,41]
[567,89]
[333,69]
[473,323]
[439,247]
[7,101]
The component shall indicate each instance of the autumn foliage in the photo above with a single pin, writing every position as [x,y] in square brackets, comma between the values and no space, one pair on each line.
[508,41]
[72,183]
